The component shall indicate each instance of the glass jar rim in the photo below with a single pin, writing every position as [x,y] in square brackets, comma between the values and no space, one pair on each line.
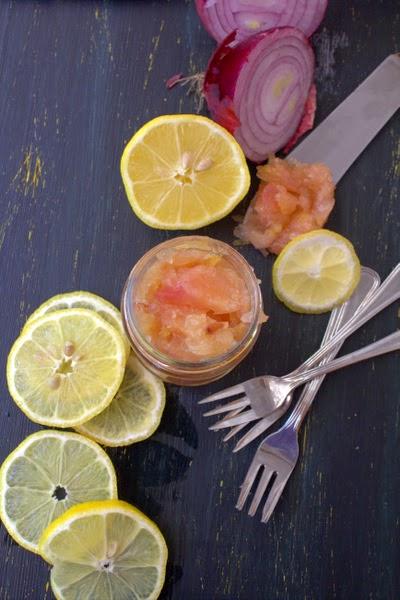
[193,242]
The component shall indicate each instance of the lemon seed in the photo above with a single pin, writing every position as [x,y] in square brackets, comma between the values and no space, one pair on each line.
[54,382]
[186,160]
[69,348]
[204,164]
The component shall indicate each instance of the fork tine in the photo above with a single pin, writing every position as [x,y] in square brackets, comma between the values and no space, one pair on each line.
[239,403]
[262,486]
[254,432]
[244,417]
[233,432]
[247,483]
[273,497]
[231,391]
[233,413]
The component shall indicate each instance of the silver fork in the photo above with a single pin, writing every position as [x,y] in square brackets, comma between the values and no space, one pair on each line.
[278,453]
[263,396]
[369,282]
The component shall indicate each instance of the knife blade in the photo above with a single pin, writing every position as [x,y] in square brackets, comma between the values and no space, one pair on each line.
[348,130]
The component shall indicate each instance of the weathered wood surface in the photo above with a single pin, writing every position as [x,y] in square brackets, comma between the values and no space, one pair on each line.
[77,79]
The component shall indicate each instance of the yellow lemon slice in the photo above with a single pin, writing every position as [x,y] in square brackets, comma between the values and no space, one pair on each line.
[316,272]
[135,412]
[66,367]
[183,172]
[107,550]
[80,299]
[49,472]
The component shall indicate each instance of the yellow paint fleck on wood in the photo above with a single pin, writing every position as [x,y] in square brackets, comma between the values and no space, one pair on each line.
[152,55]
[30,175]
[46,590]
[75,259]
[101,15]
[396,160]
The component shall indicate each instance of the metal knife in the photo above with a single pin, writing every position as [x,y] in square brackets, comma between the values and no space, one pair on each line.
[348,130]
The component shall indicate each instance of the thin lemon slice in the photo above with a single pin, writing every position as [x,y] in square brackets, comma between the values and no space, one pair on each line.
[49,472]
[105,550]
[183,172]
[66,367]
[316,272]
[81,299]
[135,412]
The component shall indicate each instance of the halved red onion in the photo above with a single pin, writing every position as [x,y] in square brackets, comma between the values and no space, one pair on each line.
[221,17]
[261,89]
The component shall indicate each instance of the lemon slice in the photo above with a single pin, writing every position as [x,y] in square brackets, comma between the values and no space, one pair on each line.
[105,550]
[183,172]
[66,367]
[80,299]
[49,472]
[316,271]
[135,412]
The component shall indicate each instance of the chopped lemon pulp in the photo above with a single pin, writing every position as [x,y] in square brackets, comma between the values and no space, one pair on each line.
[192,304]
[293,198]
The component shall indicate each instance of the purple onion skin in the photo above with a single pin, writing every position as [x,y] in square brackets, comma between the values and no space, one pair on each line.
[220,17]
[221,78]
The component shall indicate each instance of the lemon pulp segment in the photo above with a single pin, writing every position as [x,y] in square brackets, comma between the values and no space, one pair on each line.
[106,549]
[135,412]
[66,367]
[183,172]
[316,272]
[49,472]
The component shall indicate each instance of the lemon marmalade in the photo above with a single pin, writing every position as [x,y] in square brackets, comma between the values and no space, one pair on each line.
[192,309]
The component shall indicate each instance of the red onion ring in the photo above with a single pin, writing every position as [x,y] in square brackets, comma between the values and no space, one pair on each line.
[261,88]
[221,17]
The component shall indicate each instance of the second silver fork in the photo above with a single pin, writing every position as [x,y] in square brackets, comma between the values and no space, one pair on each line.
[278,453]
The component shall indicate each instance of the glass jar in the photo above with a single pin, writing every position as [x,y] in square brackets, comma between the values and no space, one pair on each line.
[204,370]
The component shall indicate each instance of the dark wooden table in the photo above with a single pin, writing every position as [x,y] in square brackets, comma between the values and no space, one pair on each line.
[77,79]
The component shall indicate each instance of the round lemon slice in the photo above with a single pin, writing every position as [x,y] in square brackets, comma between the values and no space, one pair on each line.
[107,550]
[81,299]
[183,172]
[316,272]
[66,367]
[135,412]
[49,472]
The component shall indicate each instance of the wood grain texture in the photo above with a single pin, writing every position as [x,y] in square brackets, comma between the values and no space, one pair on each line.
[77,79]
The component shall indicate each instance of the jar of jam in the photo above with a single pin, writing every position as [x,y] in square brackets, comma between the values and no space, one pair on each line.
[192,309]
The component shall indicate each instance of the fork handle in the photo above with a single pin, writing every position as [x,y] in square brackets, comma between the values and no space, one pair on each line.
[386,294]
[383,346]
[369,282]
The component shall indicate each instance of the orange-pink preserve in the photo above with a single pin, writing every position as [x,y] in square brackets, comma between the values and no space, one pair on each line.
[292,198]
[192,304]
